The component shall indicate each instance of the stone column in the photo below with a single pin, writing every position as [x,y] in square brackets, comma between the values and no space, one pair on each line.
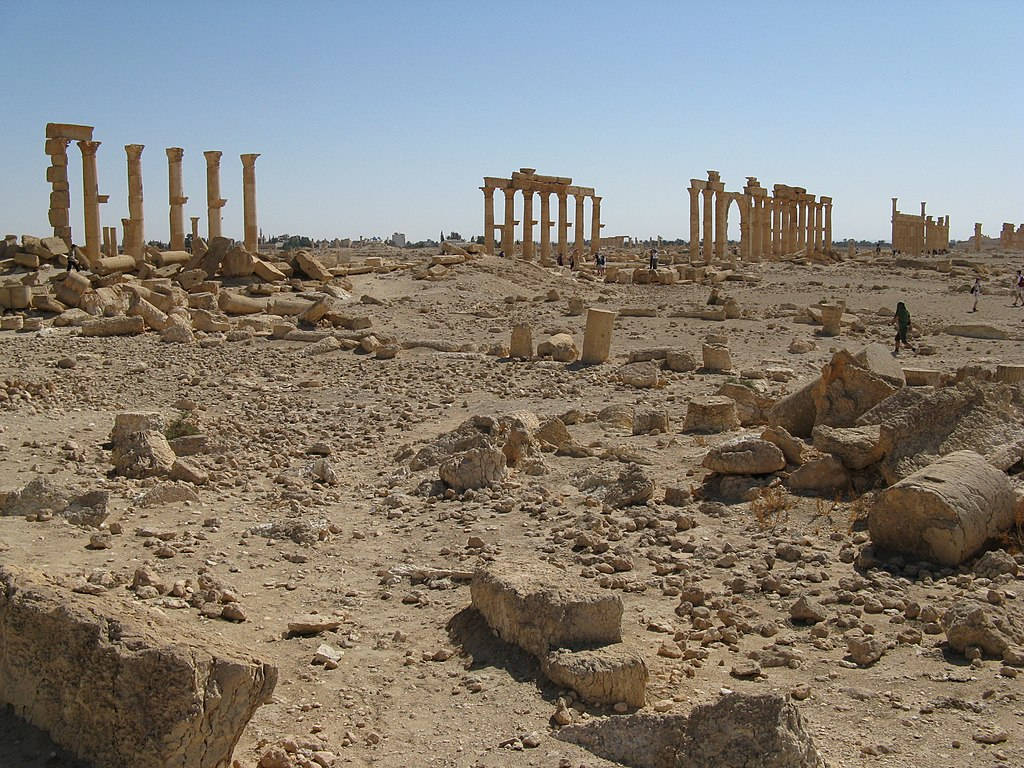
[801,222]
[250,227]
[746,229]
[597,338]
[694,223]
[91,200]
[214,202]
[488,219]
[176,197]
[137,243]
[545,228]
[977,237]
[60,188]
[817,227]
[811,207]
[709,209]
[195,230]
[722,201]
[595,224]
[508,231]
[827,202]
[787,226]
[776,227]
[578,245]
[528,224]
[563,226]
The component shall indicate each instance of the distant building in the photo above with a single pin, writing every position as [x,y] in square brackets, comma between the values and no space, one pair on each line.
[398,239]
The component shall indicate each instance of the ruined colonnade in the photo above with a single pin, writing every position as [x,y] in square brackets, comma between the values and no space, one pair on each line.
[787,222]
[528,182]
[101,240]
[918,234]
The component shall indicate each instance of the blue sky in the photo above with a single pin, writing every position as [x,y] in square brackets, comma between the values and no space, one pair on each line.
[374,117]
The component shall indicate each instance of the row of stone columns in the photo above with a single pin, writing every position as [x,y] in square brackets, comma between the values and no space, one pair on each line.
[104,240]
[510,222]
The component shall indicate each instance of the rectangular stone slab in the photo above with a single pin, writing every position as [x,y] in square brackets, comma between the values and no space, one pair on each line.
[118,684]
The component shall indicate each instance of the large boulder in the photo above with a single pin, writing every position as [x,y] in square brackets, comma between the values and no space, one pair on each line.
[856,447]
[996,632]
[120,685]
[643,375]
[560,348]
[846,389]
[142,454]
[945,512]
[41,495]
[795,412]
[607,675]
[745,456]
[821,475]
[540,608]
[632,487]
[475,468]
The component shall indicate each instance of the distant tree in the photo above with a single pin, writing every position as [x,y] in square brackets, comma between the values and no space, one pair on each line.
[158,245]
[296,241]
[454,236]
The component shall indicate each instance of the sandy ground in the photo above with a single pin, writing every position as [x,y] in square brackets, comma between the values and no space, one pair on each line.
[263,405]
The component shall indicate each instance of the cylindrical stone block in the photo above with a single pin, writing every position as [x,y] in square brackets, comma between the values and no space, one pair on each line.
[716,357]
[831,319]
[715,413]
[597,338]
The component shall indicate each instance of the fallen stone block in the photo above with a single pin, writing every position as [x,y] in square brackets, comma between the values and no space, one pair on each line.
[745,456]
[122,686]
[539,608]
[821,475]
[922,377]
[114,326]
[976,331]
[560,348]
[475,468]
[855,447]
[997,632]
[142,454]
[711,414]
[236,304]
[607,675]
[795,412]
[946,512]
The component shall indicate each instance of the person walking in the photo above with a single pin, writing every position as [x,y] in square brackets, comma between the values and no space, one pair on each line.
[976,293]
[1018,289]
[654,259]
[73,262]
[902,322]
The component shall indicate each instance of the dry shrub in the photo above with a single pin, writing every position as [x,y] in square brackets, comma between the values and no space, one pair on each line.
[771,506]
[859,509]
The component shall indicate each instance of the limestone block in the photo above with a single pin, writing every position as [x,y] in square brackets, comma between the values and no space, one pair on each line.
[11,323]
[142,454]
[855,447]
[237,262]
[190,279]
[922,377]
[560,348]
[55,245]
[680,360]
[847,389]
[751,402]
[58,217]
[607,675]
[597,338]
[878,359]
[210,322]
[114,326]
[209,258]
[167,258]
[831,319]
[267,272]
[711,414]
[69,131]
[640,375]
[17,296]
[127,422]
[44,302]
[650,420]
[745,456]
[286,306]
[945,512]
[154,318]
[521,343]
[312,267]
[208,301]
[475,468]
[716,357]
[574,306]
[791,448]
[111,264]
[795,412]
[976,331]
[824,475]
[1011,374]
[27,260]
[236,304]
[540,608]
[998,633]
[118,684]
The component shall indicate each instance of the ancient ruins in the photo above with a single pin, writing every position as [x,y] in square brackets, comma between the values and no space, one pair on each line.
[771,226]
[690,506]
[917,235]
[528,182]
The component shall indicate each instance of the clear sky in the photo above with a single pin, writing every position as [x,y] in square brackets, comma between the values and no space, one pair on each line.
[378,116]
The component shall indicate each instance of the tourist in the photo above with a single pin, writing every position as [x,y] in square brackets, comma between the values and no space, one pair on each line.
[1018,289]
[73,262]
[902,321]
[976,293]
[654,259]
[599,262]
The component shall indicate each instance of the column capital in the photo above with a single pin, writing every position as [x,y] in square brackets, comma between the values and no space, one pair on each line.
[596,198]
[134,151]
[88,147]
[212,156]
[488,191]
[175,153]
[249,159]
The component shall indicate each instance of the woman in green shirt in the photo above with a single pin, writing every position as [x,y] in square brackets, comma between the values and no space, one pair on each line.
[902,321]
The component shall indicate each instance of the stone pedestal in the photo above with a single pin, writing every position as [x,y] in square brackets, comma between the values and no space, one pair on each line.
[214,202]
[176,197]
[711,414]
[135,238]
[597,338]
[91,201]
[831,319]
[716,357]
[251,228]
[521,344]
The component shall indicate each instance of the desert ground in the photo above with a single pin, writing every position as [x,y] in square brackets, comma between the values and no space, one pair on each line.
[311,494]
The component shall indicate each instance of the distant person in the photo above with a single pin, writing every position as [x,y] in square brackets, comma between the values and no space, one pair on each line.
[572,260]
[73,262]
[976,293]
[878,248]
[1018,289]
[902,321]
[599,262]
[654,259]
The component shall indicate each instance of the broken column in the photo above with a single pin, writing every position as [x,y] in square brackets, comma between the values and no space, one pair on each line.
[214,202]
[251,228]
[195,231]
[595,224]
[176,197]
[977,237]
[91,200]
[831,319]
[597,338]
[60,195]
[136,239]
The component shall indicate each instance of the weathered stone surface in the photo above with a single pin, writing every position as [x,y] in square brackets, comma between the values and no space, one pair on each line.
[539,607]
[680,360]
[976,331]
[856,447]
[997,632]
[475,468]
[649,420]
[878,359]
[632,487]
[796,412]
[521,343]
[640,375]
[711,414]
[945,512]
[560,348]
[127,422]
[791,448]
[114,326]
[752,403]
[605,675]
[823,475]
[846,389]
[922,377]
[142,454]
[312,266]
[642,740]
[995,563]
[122,686]
[42,495]
[745,456]
[716,357]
